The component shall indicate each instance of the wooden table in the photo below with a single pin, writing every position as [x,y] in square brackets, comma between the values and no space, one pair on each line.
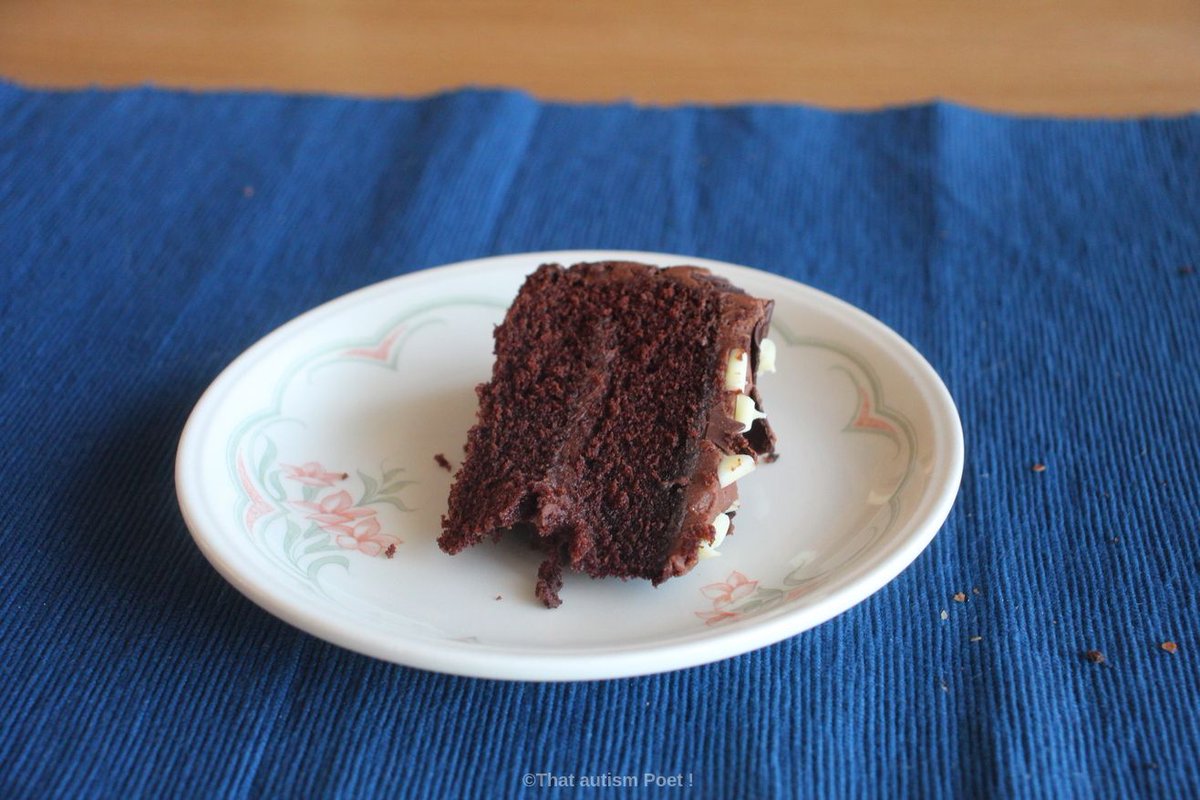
[1050,56]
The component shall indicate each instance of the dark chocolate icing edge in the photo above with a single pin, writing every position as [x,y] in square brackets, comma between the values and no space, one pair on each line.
[745,320]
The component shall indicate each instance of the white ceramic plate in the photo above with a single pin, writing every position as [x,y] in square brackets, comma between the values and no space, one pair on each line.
[306,474]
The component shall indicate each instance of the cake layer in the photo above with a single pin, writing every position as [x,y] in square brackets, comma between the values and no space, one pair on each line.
[607,420]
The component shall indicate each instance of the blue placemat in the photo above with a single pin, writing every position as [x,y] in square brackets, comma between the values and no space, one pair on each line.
[1045,268]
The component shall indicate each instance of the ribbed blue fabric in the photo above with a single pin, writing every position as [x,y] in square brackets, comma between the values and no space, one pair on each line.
[1044,268]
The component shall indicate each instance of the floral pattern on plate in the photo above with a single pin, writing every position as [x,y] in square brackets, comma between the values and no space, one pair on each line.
[310,516]
[312,513]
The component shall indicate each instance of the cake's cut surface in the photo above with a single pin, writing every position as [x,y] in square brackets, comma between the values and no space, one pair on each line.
[608,426]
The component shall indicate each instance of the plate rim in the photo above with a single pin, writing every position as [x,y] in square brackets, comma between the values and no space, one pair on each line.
[509,663]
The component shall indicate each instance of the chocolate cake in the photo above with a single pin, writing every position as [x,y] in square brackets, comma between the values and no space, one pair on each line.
[622,408]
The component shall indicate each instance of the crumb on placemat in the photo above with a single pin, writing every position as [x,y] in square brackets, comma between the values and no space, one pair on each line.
[442,462]
[959,597]
[1170,647]
[975,639]
[1094,656]
[499,597]
[1038,467]
[391,551]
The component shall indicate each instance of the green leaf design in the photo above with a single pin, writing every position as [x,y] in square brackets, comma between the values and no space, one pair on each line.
[308,493]
[393,488]
[370,488]
[268,458]
[275,487]
[327,561]
[374,493]
[319,547]
[388,474]
[289,538]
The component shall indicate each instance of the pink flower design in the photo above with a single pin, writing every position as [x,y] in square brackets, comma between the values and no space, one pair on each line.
[333,510]
[381,351]
[736,587]
[311,474]
[714,617]
[363,536]
[866,419]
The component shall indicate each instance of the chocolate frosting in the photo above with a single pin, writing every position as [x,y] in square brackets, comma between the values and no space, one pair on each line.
[745,320]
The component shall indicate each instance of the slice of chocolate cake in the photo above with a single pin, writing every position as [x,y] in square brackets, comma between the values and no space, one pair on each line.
[622,408]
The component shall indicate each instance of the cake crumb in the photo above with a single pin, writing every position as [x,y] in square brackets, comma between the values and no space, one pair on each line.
[959,597]
[1094,656]
[391,551]
[442,462]
[1038,467]
[549,582]
[976,590]
[499,597]
[1170,647]
[975,639]
[945,614]
[344,476]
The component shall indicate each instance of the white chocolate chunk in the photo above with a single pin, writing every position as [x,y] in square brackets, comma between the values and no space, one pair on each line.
[736,368]
[766,356]
[721,525]
[745,412]
[733,467]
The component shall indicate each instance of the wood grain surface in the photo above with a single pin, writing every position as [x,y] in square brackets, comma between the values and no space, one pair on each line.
[1069,57]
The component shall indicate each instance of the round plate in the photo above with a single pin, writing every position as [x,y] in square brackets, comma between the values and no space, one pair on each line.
[307,476]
